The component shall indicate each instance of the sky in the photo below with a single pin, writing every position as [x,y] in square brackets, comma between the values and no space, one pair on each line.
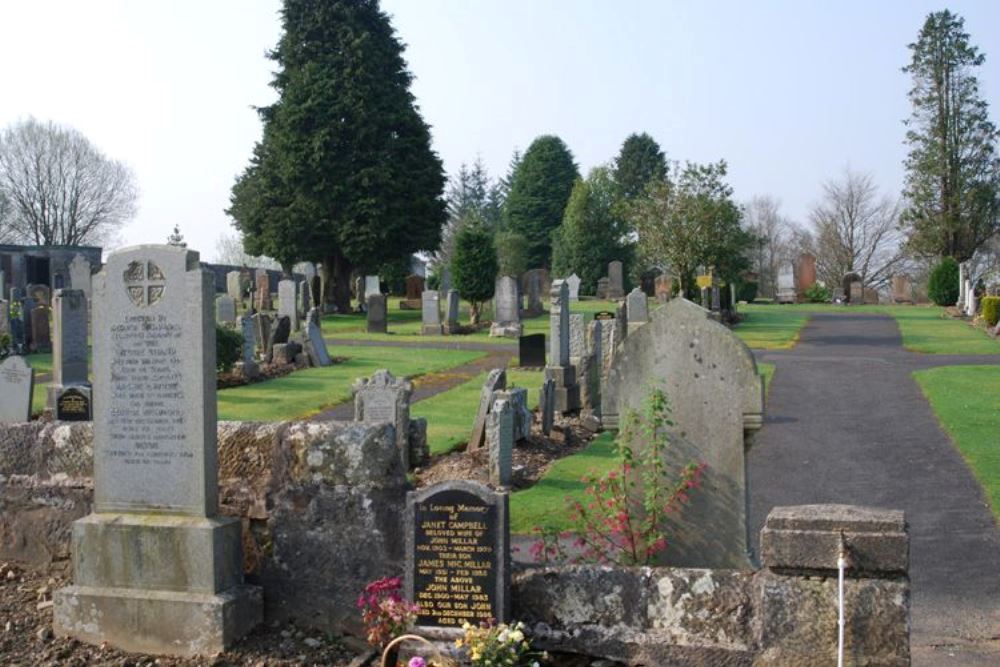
[788,93]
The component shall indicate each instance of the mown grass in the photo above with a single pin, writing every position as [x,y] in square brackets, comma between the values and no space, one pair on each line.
[310,391]
[966,400]
[770,327]
[451,413]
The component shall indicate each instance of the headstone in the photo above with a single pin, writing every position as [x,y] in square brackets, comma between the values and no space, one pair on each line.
[74,404]
[305,301]
[248,361]
[590,383]
[857,297]
[385,398]
[506,309]
[70,356]
[316,291]
[663,288]
[287,306]
[638,309]
[80,275]
[280,332]
[457,555]
[902,289]
[574,287]
[531,351]
[786,284]
[315,333]
[225,309]
[263,290]
[234,286]
[547,403]
[377,314]
[969,295]
[716,397]
[431,313]
[805,276]
[259,339]
[496,380]
[616,283]
[577,338]
[518,399]
[41,339]
[716,301]
[155,569]
[602,288]
[451,324]
[41,294]
[559,325]
[372,286]
[414,292]
[17,381]
[500,442]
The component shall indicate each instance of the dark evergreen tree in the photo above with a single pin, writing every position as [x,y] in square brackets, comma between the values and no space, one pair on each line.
[540,188]
[639,162]
[952,171]
[474,264]
[344,173]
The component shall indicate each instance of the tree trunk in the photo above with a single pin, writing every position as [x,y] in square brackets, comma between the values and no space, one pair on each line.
[474,309]
[337,281]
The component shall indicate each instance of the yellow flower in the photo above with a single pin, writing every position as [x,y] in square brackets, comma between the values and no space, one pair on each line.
[458,643]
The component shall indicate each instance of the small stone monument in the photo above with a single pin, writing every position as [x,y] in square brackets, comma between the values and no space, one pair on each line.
[500,442]
[857,296]
[17,381]
[547,403]
[70,357]
[372,286]
[225,309]
[786,284]
[431,313]
[457,556]
[902,289]
[385,398]
[414,293]
[496,380]
[287,303]
[517,397]
[602,288]
[234,286]
[574,287]
[248,364]
[41,335]
[305,300]
[80,275]
[616,283]
[263,290]
[377,314]
[155,569]
[559,368]
[279,335]
[805,277]
[314,332]
[451,324]
[577,338]
[506,309]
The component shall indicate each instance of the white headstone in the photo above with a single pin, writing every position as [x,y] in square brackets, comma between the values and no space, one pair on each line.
[287,306]
[372,286]
[17,381]
[638,308]
[574,287]
[80,275]
[431,313]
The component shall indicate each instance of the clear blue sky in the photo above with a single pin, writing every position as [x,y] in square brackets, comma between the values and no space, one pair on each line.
[787,92]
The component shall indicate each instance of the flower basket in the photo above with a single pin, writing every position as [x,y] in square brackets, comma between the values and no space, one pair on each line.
[391,652]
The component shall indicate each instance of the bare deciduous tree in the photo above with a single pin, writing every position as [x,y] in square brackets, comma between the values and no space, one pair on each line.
[61,189]
[229,250]
[773,233]
[856,230]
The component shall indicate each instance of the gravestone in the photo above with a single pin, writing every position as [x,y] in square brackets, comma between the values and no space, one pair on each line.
[716,397]
[547,404]
[70,354]
[80,275]
[372,286]
[41,338]
[574,287]
[567,390]
[457,555]
[716,301]
[616,283]
[225,309]
[902,289]
[263,290]
[451,324]
[577,338]
[385,398]
[280,333]
[496,380]
[805,276]
[155,569]
[321,357]
[17,381]
[234,286]
[377,314]
[303,294]
[260,335]
[663,288]
[602,288]
[430,313]
[74,404]
[506,309]
[359,293]
[857,293]
[786,285]
[531,351]
[500,442]
[316,291]
[518,399]
[590,384]
[27,305]
[41,294]
[638,309]
[414,292]
[248,362]
[287,306]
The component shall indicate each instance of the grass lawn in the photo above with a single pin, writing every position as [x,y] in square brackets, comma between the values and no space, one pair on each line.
[307,392]
[450,414]
[966,400]
[767,372]
[771,327]
[42,363]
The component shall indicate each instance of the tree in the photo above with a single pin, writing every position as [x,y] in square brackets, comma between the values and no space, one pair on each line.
[344,173]
[692,223]
[942,287]
[230,249]
[470,192]
[856,231]
[592,232]
[474,266]
[640,162]
[773,246]
[539,190]
[952,171]
[60,189]
[512,253]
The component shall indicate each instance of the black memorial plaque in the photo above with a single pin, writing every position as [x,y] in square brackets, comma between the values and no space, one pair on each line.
[531,351]
[457,561]
[73,405]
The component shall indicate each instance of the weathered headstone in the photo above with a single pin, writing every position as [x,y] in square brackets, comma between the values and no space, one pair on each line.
[263,290]
[567,390]
[451,324]
[716,398]
[234,286]
[577,338]
[716,301]
[602,288]
[279,334]
[386,398]
[500,442]
[786,284]
[69,351]
[414,292]
[458,555]
[41,338]
[261,332]
[430,313]
[155,569]
[902,289]
[506,309]
[305,300]
[377,314]
[248,361]
[372,286]
[961,287]
[225,309]
[638,309]
[547,404]
[574,287]
[663,288]
[80,275]
[531,351]
[17,381]
[518,399]
[496,380]
[315,333]
[590,383]
[616,282]
[287,303]
[857,297]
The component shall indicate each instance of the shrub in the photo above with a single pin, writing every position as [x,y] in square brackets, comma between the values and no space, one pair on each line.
[943,285]
[228,348]
[989,308]
[474,265]
[817,293]
[747,291]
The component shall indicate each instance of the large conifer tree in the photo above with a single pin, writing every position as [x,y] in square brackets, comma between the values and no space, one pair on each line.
[344,173]
[640,162]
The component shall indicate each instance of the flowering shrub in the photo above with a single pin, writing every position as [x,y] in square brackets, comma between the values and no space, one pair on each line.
[384,612]
[621,522]
[498,645]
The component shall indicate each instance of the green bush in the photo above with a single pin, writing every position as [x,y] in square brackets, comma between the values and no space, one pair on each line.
[747,291]
[990,309]
[943,285]
[228,348]
[817,293]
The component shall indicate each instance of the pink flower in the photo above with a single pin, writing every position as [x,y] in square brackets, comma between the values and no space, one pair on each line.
[416,661]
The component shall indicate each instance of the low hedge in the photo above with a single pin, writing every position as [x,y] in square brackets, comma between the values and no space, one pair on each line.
[989,308]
